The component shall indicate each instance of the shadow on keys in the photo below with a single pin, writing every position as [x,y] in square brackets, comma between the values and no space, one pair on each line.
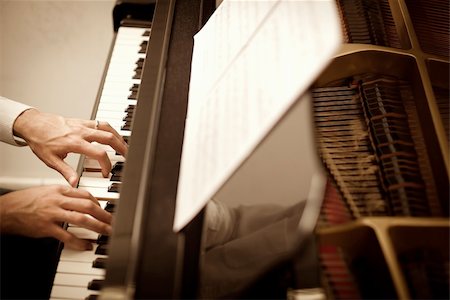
[254,251]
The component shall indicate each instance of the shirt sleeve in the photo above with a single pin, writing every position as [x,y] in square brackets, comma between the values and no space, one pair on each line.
[9,111]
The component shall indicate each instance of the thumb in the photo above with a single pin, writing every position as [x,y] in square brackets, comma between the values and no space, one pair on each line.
[66,171]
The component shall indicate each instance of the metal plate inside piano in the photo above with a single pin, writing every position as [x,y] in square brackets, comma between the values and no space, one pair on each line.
[382,113]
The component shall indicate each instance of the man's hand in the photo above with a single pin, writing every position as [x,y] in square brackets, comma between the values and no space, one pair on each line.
[52,137]
[40,211]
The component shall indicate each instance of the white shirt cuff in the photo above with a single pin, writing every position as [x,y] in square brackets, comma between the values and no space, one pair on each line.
[9,111]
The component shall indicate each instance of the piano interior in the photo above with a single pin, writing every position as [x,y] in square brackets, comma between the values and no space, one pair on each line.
[381,121]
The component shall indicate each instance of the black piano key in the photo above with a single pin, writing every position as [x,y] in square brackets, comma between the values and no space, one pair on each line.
[140,62]
[143,47]
[114,187]
[133,96]
[130,108]
[137,74]
[102,249]
[92,297]
[135,87]
[118,166]
[99,263]
[126,126]
[110,207]
[130,112]
[146,33]
[116,178]
[102,239]
[127,118]
[116,174]
[95,285]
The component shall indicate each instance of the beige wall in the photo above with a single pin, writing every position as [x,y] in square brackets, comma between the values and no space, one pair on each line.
[52,55]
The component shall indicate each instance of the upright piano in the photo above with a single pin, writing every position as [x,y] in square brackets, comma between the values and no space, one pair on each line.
[381,112]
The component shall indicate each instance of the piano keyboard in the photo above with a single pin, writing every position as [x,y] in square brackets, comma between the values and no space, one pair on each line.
[79,274]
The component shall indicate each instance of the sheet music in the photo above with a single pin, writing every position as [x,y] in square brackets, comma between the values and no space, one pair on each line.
[251,62]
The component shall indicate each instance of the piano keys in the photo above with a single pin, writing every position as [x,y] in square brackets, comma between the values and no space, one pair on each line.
[80,274]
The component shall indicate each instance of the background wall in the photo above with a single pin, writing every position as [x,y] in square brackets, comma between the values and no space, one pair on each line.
[52,56]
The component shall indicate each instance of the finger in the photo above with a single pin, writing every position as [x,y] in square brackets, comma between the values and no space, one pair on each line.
[87,221]
[105,126]
[94,152]
[69,239]
[106,137]
[79,193]
[85,206]
[62,167]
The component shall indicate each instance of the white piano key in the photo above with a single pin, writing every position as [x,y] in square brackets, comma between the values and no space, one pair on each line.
[131,38]
[119,88]
[117,99]
[94,175]
[76,267]
[123,92]
[114,80]
[113,106]
[123,132]
[119,62]
[87,256]
[121,52]
[71,292]
[132,31]
[127,66]
[100,193]
[110,115]
[95,182]
[114,158]
[79,280]
[116,93]
[102,203]
[90,163]
[121,72]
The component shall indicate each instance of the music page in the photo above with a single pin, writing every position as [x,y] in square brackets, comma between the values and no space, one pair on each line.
[251,62]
